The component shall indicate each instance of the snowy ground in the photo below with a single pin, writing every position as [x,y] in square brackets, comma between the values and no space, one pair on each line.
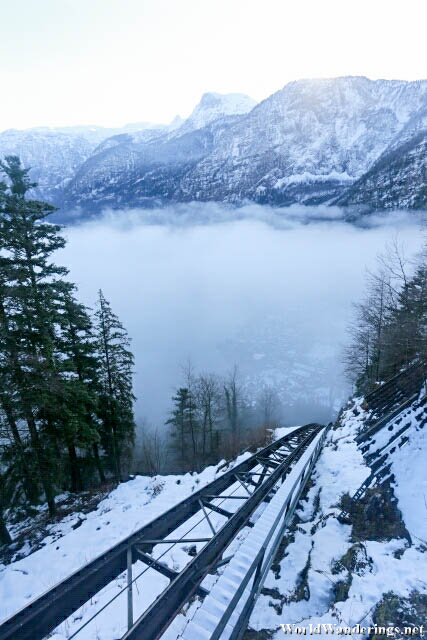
[123,511]
[80,537]
[321,540]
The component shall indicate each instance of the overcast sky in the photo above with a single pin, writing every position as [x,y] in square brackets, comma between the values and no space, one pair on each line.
[109,62]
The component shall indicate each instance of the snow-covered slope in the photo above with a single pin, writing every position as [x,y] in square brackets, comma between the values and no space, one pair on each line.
[328,573]
[398,180]
[54,156]
[80,537]
[56,153]
[309,139]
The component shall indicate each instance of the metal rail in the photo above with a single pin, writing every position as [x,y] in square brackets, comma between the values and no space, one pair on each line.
[261,472]
[226,610]
[155,620]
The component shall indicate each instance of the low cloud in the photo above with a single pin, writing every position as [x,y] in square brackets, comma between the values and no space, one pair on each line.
[270,289]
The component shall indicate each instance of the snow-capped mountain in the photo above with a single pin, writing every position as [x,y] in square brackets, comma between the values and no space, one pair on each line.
[398,179]
[307,141]
[216,105]
[55,153]
[346,140]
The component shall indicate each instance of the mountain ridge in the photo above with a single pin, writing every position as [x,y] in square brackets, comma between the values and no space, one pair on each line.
[312,142]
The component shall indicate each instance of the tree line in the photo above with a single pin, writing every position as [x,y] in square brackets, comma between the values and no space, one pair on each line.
[211,417]
[389,330]
[66,401]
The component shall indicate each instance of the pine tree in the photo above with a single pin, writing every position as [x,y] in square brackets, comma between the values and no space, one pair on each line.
[116,399]
[31,314]
[80,387]
[184,425]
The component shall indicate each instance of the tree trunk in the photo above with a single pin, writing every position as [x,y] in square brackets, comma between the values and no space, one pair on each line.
[116,455]
[98,462]
[75,476]
[5,537]
[44,475]
[30,487]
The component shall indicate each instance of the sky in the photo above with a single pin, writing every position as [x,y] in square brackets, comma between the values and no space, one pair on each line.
[111,62]
[189,282]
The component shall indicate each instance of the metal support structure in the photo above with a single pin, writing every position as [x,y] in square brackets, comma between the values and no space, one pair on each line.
[254,576]
[243,484]
[213,507]
[45,613]
[152,543]
[130,587]
[405,382]
[212,528]
[163,568]
[155,620]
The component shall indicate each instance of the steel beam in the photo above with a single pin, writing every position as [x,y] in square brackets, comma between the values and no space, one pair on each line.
[41,616]
[155,620]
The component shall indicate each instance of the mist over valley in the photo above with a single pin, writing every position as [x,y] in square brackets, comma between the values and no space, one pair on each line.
[267,289]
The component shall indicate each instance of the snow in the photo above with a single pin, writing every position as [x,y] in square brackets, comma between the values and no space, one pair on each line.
[263,533]
[307,178]
[316,131]
[130,506]
[324,540]
[317,543]
[408,467]
[216,105]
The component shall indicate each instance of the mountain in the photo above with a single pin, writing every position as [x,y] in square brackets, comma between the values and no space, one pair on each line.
[149,165]
[398,179]
[216,105]
[56,153]
[310,140]
[345,141]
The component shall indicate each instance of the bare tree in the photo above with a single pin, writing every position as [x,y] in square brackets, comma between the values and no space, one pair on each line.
[207,394]
[268,403]
[153,450]
[388,330]
[191,411]
[233,402]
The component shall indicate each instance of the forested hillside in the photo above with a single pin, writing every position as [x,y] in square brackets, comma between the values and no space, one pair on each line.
[389,330]
[66,414]
[66,401]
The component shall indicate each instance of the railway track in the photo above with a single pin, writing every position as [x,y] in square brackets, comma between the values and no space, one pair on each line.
[232,504]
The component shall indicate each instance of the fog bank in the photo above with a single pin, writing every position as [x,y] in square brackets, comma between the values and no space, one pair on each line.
[268,289]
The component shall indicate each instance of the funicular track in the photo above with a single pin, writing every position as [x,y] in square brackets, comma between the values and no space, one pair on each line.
[226,506]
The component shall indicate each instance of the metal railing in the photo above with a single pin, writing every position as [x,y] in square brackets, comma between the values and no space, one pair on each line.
[256,477]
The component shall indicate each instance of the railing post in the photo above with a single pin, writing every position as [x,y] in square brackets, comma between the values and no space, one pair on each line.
[130,586]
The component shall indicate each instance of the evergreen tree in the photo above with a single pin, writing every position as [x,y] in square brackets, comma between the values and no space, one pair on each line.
[30,314]
[80,387]
[184,425]
[65,385]
[115,407]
